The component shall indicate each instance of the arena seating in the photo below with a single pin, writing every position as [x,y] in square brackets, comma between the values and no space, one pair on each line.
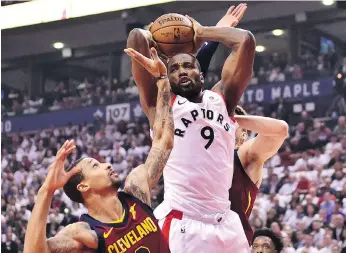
[302,197]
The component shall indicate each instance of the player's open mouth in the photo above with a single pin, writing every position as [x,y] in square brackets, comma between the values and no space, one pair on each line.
[112,173]
[184,81]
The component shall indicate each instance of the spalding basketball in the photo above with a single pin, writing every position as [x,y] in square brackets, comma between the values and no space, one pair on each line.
[173,34]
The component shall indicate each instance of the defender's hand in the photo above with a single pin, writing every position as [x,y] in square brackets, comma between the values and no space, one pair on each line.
[233,16]
[152,42]
[154,66]
[57,176]
[197,27]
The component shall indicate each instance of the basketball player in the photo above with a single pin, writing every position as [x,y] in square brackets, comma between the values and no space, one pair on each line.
[266,240]
[195,215]
[116,222]
[249,158]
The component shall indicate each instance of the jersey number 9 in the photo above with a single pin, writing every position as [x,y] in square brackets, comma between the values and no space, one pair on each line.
[207,133]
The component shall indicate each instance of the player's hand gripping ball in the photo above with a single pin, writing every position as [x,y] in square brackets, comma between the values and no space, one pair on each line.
[173,33]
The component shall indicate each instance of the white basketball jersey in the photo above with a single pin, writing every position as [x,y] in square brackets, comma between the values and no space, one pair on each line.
[199,171]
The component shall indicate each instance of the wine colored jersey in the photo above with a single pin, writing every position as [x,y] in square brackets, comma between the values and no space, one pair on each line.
[137,232]
[242,196]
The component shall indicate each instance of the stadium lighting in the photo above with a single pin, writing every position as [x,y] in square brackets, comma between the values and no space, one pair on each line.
[260,48]
[277,32]
[58,45]
[328,2]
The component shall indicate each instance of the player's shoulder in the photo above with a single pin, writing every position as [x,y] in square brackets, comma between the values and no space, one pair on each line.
[130,200]
[214,95]
[81,231]
[80,225]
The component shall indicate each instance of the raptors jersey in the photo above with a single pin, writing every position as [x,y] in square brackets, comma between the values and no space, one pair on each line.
[137,232]
[199,171]
[242,196]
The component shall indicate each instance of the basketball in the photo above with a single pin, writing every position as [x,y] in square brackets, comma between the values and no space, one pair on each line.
[173,34]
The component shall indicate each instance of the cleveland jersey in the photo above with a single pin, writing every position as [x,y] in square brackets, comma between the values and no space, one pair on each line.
[242,196]
[199,171]
[137,232]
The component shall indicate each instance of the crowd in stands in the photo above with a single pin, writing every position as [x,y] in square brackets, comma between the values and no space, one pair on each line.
[302,197]
[103,91]
[99,92]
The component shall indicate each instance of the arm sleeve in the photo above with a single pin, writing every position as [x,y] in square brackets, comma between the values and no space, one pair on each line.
[205,54]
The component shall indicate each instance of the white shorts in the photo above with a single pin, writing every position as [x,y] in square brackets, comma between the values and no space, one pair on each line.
[218,234]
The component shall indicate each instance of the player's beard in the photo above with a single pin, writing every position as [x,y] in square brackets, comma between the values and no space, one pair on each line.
[190,92]
[116,182]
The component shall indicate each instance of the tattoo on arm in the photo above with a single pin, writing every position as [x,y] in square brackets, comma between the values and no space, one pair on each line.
[137,192]
[64,241]
[162,106]
[64,244]
[156,162]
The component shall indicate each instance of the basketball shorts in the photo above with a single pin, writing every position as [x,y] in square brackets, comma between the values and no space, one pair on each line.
[219,233]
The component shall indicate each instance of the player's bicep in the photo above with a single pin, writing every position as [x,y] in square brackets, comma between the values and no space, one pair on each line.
[261,148]
[74,238]
[237,71]
[137,185]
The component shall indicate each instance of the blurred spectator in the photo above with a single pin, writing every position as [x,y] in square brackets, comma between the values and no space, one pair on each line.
[340,128]
[308,245]
[8,243]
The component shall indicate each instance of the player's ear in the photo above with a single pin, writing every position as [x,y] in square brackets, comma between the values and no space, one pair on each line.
[244,135]
[201,77]
[83,187]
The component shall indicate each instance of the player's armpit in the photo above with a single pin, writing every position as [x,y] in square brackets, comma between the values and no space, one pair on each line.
[140,40]
[74,238]
[143,178]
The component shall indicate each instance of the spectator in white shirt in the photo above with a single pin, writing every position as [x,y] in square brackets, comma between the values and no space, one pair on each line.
[118,149]
[19,176]
[318,231]
[289,187]
[119,164]
[339,181]
[308,246]
[333,144]
[135,150]
[313,193]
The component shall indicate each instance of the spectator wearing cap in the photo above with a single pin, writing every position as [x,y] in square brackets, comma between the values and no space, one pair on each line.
[265,240]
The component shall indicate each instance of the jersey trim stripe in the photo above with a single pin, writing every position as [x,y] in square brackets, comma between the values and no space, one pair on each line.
[173,99]
[174,214]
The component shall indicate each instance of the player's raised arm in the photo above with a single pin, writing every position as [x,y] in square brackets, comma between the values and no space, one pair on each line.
[141,41]
[237,69]
[254,152]
[142,179]
[230,19]
[74,238]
